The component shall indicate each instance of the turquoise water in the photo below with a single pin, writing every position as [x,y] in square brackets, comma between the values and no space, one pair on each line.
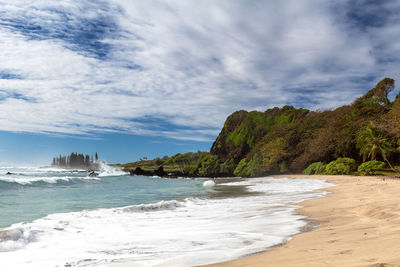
[30,194]
[63,218]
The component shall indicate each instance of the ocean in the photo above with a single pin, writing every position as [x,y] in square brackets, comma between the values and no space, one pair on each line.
[54,217]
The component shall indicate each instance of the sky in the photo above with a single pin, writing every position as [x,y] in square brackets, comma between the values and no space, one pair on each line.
[132,79]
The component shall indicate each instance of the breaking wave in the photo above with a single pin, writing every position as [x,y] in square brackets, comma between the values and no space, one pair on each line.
[54,176]
[107,170]
[188,232]
[42,180]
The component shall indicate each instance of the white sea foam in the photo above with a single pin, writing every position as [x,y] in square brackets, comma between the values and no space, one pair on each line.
[26,176]
[52,169]
[107,170]
[209,183]
[50,180]
[15,238]
[169,233]
[162,205]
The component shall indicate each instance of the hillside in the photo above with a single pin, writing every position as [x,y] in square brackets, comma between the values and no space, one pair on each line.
[288,139]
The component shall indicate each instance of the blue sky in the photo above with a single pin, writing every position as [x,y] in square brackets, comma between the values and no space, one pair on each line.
[145,78]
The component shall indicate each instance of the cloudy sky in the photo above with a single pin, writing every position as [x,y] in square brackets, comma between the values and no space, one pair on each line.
[145,78]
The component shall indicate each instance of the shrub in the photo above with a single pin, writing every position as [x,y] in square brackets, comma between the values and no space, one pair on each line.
[273,153]
[228,167]
[209,166]
[315,168]
[370,167]
[190,169]
[340,166]
[240,169]
[253,167]
[283,167]
[348,161]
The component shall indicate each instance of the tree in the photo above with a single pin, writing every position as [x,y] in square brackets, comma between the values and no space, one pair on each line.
[241,168]
[182,159]
[190,169]
[209,166]
[272,154]
[96,157]
[228,167]
[372,141]
[254,166]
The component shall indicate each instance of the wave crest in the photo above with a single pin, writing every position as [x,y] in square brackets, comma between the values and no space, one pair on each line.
[48,180]
[162,205]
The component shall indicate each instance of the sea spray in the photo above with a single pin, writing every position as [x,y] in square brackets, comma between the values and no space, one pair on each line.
[107,170]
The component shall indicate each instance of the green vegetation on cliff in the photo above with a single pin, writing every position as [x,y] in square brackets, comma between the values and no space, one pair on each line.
[288,139]
[189,164]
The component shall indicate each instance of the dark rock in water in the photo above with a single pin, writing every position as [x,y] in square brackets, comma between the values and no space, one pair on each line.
[140,171]
[9,173]
[93,174]
[160,171]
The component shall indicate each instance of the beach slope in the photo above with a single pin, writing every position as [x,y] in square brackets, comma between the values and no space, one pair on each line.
[360,226]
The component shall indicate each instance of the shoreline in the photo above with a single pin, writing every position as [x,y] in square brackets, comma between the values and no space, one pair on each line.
[359,226]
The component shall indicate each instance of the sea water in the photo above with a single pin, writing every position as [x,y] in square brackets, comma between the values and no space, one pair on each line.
[53,217]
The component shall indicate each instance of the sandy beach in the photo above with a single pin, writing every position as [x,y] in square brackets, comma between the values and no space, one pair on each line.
[359,226]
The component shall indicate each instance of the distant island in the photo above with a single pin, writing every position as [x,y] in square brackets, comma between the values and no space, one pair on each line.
[76,161]
[362,137]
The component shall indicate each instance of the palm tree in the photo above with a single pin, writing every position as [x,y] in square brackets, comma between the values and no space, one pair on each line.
[372,141]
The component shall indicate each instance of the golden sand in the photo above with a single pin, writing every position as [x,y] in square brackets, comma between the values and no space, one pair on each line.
[360,226]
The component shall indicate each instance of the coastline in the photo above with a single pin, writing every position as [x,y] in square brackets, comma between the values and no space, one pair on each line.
[359,226]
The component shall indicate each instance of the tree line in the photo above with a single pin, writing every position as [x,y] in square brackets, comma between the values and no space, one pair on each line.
[75,160]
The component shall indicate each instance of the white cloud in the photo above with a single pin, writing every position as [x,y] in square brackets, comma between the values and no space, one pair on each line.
[178,68]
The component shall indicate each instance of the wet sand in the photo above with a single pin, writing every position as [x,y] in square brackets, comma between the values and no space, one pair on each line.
[359,226]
